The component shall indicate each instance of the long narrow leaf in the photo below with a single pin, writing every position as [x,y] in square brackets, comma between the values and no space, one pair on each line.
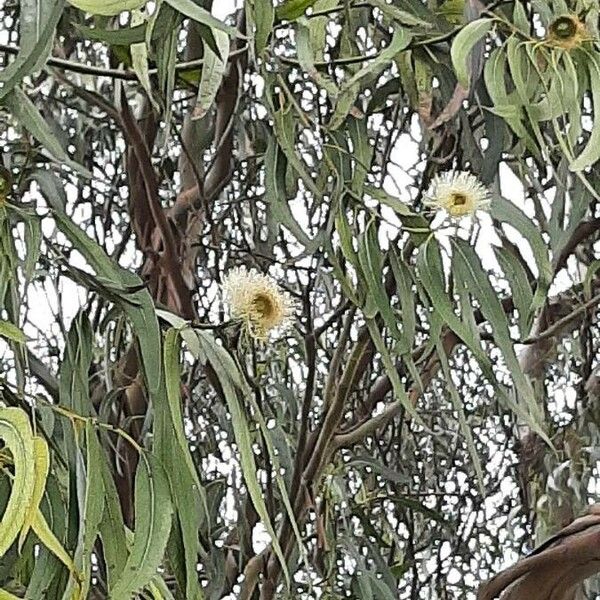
[153,514]
[226,370]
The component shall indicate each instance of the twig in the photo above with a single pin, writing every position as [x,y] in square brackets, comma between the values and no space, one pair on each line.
[561,323]
[77,67]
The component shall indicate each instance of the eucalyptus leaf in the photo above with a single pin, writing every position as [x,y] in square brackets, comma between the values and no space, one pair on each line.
[194,11]
[38,19]
[463,45]
[153,510]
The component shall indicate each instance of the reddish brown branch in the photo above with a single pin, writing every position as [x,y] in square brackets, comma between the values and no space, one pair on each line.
[220,172]
[555,569]
[143,161]
[584,230]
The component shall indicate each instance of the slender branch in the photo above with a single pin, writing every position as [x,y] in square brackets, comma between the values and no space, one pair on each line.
[372,424]
[144,163]
[583,230]
[357,362]
[220,170]
[337,313]
[42,373]
[126,74]
[562,323]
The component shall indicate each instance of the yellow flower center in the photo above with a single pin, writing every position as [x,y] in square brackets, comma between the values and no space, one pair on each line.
[459,204]
[264,306]
[459,199]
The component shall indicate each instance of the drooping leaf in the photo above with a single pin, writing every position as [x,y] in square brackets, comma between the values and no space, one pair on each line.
[317,27]
[467,266]
[137,305]
[506,105]
[415,224]
[400,40]
[139,57]
[107,7]
[398,14]
[264,17]
[371,263]
[507,212]
[172,445]
[526,83]
[380,589]
[162,35]
[292,9]
[431,275]
[392,372]
[285,129]
[275,195]
[231,381]
[112,528]
[591,153]
[520,286]
[48,569]
[403,279]
[11,332]
[46,536]
[118,37]
[213,70]
[27,114]
[307,60]
[77,358]
[463,45]
[362,153]
[91,509]
[41,457]
[33,237]
[153,515]
[38,20]
[15,432]
[197,13]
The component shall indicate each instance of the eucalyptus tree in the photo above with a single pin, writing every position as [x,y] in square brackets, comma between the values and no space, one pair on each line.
[299,300]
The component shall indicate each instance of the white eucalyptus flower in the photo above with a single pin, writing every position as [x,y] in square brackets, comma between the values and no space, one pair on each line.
[257,301]
[459,193]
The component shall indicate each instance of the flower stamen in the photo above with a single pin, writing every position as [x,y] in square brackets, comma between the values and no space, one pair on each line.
[256,301]
[264,306]
[459,193]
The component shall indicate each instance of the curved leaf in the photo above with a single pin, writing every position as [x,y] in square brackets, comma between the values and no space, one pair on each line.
[591,153]
[10,331]
[15,431]
[153,513]
[46,536]
[38,20]
[507,212]
[133,298]
[26,112]
[230,379]
[107,8]
[42,466]
[464,43]
[172,446]
[197,13]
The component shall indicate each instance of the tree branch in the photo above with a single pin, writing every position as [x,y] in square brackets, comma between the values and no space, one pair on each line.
[554,569]
[123,74]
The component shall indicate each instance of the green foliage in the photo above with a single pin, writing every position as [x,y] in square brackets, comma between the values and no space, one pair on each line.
[151,447]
